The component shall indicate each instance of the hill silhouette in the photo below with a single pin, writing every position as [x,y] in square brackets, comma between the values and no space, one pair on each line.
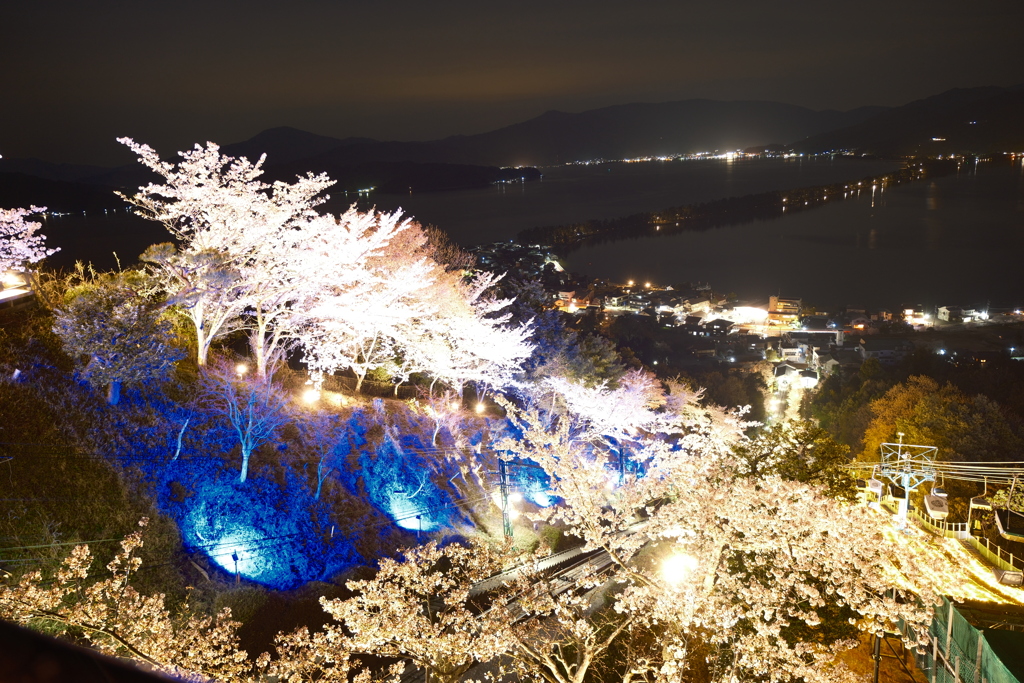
[972,120]
[978,121]
[617,132]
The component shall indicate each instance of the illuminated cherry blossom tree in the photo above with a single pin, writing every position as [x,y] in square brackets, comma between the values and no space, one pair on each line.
[708,573]
[417,609]
[222,216]
[21,244]
[117,620]
[372,280]
[725,568]
[383,296]
[469,339]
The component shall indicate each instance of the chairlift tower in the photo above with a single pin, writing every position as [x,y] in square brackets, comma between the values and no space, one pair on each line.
[907,466]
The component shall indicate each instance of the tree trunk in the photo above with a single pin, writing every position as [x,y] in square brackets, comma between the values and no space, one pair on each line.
[202,346]
[245,466]
[321,474]
[359,381]
[113,392]
[257,342]
[177,451]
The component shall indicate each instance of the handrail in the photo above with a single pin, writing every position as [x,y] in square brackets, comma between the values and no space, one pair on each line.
[996,555]
[959,530]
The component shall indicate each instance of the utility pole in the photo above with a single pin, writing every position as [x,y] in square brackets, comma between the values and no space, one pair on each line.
[506,521]
[877,655]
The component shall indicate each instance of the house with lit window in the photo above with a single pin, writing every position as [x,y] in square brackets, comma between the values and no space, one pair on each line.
[887,351]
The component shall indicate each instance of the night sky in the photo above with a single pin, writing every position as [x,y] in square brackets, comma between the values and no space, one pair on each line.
[77,74]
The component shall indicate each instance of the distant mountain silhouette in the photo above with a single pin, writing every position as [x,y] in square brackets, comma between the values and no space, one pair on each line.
[49,170]
[964,120]
[638,130]
[283,145]
[624,131]
[977,119]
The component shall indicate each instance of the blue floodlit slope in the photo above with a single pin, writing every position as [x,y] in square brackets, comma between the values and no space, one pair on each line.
[400,484]
[269,529]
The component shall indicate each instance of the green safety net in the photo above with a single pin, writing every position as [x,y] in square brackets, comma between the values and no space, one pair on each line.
[958,658]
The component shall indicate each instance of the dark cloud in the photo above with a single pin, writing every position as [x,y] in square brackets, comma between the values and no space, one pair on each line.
[78,74]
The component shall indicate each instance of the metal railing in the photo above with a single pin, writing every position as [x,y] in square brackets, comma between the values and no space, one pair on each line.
[996,555]
[957,530]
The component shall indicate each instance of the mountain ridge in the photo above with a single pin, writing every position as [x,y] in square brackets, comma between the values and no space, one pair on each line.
[553,137]
[981,121]
[962,120]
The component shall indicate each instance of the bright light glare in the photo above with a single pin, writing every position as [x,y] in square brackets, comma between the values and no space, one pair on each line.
[243,543]
[750,314]
[311,396]
[678,568]
[13,279]
[241,369]
[480,408]
[513,497]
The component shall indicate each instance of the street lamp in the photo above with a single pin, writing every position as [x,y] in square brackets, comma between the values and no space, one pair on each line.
[677,568]
[311,396]
[241,369]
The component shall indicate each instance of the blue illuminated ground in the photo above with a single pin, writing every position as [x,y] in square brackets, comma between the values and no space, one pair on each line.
[266,531]
[272,530]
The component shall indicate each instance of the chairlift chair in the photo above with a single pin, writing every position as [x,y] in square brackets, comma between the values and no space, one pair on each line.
[936,506]
[982,502]
[1010,523]
[1008,529]
[978,503]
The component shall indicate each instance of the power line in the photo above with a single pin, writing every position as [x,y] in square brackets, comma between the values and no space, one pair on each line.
[252,544]
[53,545]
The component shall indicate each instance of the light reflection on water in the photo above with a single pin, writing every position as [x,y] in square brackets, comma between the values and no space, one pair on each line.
[500,212]
[602,191]
[955,239]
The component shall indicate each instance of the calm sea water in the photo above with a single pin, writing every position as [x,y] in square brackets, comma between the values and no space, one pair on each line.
[599,191]
[957,239]
[500,212]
